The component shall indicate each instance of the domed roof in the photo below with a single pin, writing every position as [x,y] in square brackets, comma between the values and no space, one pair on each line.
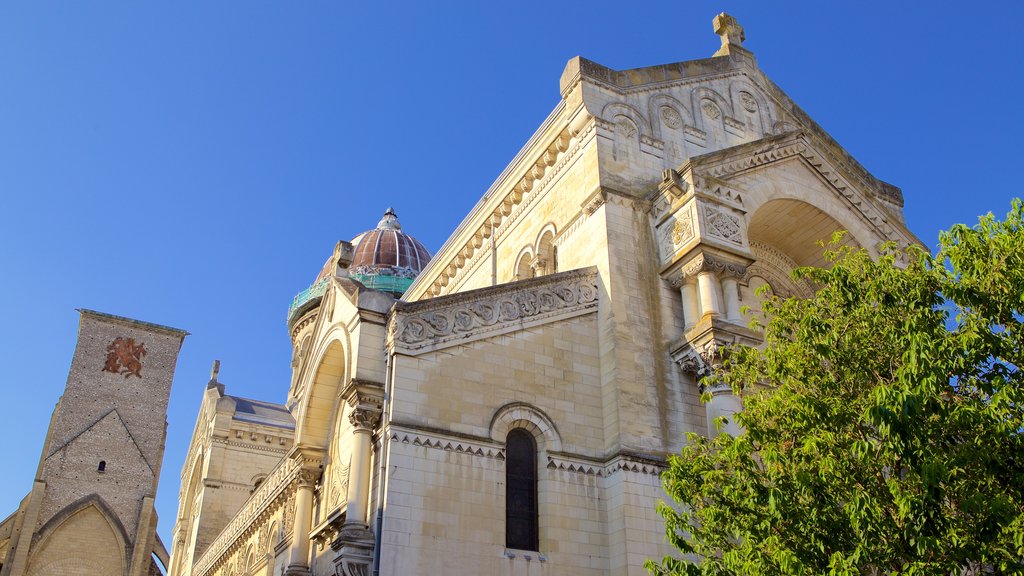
[386,258]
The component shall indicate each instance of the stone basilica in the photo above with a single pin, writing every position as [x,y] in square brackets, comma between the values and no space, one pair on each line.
[506,405]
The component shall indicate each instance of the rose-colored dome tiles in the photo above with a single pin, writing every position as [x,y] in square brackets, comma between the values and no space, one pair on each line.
[386,258]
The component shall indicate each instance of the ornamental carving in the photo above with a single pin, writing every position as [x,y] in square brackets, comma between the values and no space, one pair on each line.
[683,230]
[706,263]
[439,321]
[670,117]
[124,357]
[289,516]
[364,418]
[723,225]
[338,487]
[748,102]
[626,127]
[710,109]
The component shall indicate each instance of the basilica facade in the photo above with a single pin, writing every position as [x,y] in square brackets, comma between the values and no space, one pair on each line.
[506,406]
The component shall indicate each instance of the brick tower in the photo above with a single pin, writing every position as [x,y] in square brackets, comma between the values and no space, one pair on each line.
[90,511]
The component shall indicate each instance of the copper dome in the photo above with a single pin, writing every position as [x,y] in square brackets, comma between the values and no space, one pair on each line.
[386,258]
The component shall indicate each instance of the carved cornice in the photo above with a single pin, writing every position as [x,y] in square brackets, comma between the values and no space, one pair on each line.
[535,179]
[428,325]
[825,163]
[480,448]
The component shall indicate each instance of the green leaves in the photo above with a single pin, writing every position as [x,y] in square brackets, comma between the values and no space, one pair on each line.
[885,433]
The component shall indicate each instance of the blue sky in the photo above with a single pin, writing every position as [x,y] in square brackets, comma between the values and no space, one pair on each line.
[193,163]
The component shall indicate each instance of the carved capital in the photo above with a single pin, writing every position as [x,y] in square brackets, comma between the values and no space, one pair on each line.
[310,465]
[307,477]
[703,349]
[364,418]
[705,262]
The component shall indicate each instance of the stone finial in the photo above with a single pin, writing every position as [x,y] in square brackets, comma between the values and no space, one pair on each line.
[215,370]
[731,32]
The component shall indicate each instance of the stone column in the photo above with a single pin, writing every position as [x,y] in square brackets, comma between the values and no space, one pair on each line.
[723,403]
[355,542]
[298,555]
[731,295]
[691,302]
[707,283]
[363,421]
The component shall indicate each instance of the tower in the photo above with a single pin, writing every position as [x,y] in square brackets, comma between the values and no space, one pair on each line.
[90,511]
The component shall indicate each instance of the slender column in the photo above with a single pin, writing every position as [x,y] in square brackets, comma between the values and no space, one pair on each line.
[363,422]
[354,545]
[710,302]
[731,295]
[723,403]
[691,302]
[298,558]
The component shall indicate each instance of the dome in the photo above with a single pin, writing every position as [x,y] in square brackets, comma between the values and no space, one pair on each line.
[386,258]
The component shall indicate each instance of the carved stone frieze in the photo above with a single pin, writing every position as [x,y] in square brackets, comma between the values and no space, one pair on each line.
[458,317]
[275,495]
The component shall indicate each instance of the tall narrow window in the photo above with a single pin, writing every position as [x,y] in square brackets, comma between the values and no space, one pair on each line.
[521,491]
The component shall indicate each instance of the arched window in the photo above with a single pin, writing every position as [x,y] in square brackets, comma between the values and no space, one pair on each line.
[102,467]
[521,491]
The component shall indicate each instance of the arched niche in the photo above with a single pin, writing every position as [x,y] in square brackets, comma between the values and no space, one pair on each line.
[546,259]
[316,414]
[61,550]
[795,228]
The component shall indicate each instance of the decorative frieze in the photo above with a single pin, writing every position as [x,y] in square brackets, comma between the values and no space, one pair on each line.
[270,496]
[421,326]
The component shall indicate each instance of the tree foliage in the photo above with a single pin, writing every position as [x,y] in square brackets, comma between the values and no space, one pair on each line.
[883,423]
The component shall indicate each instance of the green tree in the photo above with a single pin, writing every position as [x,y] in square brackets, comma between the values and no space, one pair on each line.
[883,423]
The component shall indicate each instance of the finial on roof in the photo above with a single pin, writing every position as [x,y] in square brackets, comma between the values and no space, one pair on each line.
[389,221]
[215,371]
[731,32]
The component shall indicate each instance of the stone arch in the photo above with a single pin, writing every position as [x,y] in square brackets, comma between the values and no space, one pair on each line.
[763,112]
[617,110]
[187,514]
[772,211]
[774,267]
[545,249]
[530,418]
[316,413]
[658,119]
[794,228]
[523,270]
[59,551]
[268,540]
[702,93]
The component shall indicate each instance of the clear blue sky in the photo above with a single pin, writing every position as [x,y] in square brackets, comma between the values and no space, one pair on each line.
[193,163]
